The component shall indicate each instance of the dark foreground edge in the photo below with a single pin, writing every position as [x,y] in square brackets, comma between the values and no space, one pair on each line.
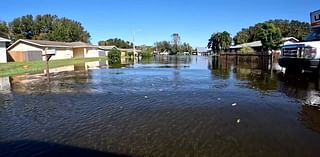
[27,148]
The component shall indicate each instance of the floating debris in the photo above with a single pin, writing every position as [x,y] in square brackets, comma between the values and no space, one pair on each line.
[234,104]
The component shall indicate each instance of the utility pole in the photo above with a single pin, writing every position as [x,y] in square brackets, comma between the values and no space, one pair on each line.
[134,46]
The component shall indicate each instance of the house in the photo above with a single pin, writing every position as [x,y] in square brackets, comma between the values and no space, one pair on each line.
[123,51]
[257,45]
[107,49]
[202,51]
[3,50]
[32,50]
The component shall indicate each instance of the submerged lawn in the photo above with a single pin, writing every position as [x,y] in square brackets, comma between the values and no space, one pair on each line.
[16,68]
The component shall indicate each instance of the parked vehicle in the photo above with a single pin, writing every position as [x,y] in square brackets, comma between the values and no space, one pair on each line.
[304,55]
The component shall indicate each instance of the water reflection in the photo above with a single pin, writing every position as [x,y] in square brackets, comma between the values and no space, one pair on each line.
[167,106]
[256,73]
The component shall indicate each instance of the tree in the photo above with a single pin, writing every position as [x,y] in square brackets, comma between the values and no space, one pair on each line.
[146,52]
[163,46]
[219,41]
[287,28]
[116,42]
[47,27]
[21,28]
[270,36]
[69,31]
[43,26]
[186,47]
[114,56]
[292,28]
[4,30]
[242,37]
[175,42]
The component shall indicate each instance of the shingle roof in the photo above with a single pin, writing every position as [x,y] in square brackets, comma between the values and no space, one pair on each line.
[251,44]
[108,47]
[4,40]
[54,44]
[259,44]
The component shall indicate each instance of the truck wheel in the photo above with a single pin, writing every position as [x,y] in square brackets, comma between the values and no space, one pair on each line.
[293,70]
[316,72]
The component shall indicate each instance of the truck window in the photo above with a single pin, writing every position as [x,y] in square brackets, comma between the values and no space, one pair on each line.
[314,35]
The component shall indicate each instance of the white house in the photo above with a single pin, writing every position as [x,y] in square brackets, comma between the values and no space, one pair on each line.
[107,49]
[3,50]
[31,50]
[257,45]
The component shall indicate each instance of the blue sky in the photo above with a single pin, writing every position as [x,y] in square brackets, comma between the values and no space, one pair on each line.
[194,20]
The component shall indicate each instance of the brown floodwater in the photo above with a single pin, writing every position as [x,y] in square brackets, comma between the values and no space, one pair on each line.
[188,106]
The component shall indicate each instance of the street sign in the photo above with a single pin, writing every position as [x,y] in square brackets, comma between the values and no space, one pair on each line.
[315,19]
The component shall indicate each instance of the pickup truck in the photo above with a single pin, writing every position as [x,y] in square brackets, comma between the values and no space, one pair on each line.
[304,55]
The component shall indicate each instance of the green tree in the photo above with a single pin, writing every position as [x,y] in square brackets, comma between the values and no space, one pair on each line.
[270,36]
[116,42]
[176,39]
[21,28]
[287,28]
[47,27]
[220,41]
[146,52]
[43,27]
[4,29]
[163,46]
[186,47]
[293,28]
[69,31]
[114,56]
[242,37]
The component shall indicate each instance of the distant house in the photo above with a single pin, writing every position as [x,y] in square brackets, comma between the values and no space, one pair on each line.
[107,49]
[202,51]
[124,52]
[3,50]
[257,45]
[31,50]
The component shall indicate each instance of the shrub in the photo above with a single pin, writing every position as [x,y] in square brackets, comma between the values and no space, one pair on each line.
[114,55]
[247,50]
[146,52]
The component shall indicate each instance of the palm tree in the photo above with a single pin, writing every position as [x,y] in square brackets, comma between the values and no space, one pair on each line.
[219,41]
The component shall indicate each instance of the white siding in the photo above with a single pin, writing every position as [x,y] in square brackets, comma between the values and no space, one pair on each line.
[63,54]
[93,52]
[25,47]
[3,53]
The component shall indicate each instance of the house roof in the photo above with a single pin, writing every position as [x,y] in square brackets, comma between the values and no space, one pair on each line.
[107,47]
[290,38]
[4,40]
[202,49]
[259,44]
[53,44]
[251,44]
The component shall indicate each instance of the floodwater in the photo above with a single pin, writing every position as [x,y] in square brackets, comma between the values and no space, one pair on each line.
[190,106]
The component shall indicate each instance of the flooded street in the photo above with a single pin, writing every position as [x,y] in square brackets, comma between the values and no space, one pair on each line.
[189,106]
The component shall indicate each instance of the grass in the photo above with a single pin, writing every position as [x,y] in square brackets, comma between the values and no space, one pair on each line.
[17,68]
